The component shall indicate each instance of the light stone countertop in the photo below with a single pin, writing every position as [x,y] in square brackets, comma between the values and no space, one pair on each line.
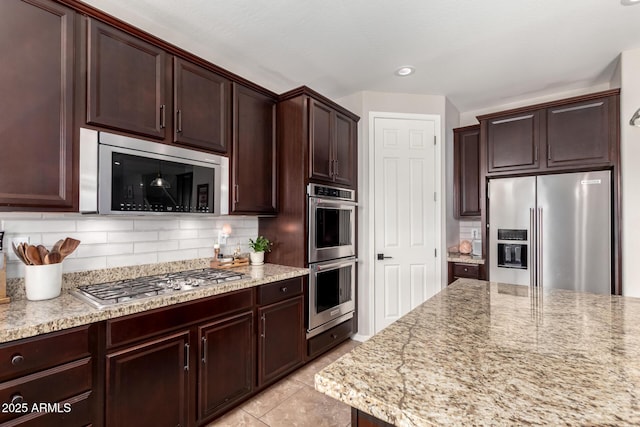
[483,353]
[467,259]
[22,318]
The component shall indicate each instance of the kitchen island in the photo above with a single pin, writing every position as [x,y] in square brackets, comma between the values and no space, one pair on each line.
[484,353]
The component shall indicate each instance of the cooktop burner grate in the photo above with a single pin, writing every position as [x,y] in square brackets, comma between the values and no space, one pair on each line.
[105,294]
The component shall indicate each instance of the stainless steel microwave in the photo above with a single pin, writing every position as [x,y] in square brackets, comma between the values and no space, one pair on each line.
[123,175]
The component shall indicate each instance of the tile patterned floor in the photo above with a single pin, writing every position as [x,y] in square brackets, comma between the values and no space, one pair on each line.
[293,401]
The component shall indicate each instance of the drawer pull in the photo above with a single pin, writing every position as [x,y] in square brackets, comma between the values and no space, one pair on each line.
[334,336]
[17,398]
[17,360]
[466,269]
[283,289]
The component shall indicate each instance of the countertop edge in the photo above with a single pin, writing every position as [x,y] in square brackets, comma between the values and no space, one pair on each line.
[68,311]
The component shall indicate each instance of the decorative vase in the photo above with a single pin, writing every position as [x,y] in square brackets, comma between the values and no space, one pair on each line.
[257,258]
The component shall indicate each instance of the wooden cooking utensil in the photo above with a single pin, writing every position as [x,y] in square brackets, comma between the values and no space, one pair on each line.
[53,258]
[19,253]
[33,255]
[43,252]
[68,246]
[56,245]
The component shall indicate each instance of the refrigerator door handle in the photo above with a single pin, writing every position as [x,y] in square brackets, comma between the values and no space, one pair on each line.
[532,244]
[539,247]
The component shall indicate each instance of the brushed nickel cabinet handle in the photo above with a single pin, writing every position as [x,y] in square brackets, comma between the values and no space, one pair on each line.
[17,399]
[163,117]
[186,357]
[179,120]
[204,350]
[264,326]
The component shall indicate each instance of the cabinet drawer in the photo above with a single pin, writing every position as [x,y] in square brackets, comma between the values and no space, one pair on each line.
[329,339]
[278,291]
[73,412]
[34,354]
[467,271]
[143,325]
[49,386]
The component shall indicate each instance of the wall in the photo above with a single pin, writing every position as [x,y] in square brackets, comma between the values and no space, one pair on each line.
[630,154]
[116,241]
[452,118]
[362,103]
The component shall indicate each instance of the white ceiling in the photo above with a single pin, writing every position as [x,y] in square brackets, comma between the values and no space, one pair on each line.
[476,53]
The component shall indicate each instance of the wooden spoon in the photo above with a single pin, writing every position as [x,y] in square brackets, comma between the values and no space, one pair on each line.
[43,252]
[68,246]
[56,246]
[19,253]
[53,258]
[33,255]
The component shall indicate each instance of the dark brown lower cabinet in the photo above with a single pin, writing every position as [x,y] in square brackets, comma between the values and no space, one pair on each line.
[226,366]
[148,383]
[281,339]
[362,419]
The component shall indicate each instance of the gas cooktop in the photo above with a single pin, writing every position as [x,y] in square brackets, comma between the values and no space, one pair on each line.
[103,295]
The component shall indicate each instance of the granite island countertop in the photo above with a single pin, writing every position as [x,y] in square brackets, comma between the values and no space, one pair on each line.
[483,353]
[22,318]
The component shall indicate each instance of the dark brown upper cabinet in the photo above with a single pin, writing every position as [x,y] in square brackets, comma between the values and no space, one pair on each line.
[332,145]
[37,86]
[253,155]
[581,133]
[466,172]
[202,112]
[575,133]
[127,83]
[513,142]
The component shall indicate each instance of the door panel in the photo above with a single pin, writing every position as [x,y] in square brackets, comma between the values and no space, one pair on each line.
[511,204]
[576,231]
[405,216]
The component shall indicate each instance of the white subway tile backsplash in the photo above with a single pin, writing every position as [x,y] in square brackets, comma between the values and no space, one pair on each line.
[86,250]
[137,259]
[160,224]
[40,226]
[123,241]
[167,245]
[87,237]
[177,234]
[179,255]
[104,225]
[132,236]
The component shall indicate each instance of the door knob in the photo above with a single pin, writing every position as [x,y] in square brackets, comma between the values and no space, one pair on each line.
[381,257]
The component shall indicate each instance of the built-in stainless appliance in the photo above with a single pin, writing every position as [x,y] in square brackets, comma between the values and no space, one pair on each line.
[123,175]
[553,231]
[332,216]
[107,294]
[331,294]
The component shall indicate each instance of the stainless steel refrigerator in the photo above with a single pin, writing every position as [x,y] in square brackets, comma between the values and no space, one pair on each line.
[552,231]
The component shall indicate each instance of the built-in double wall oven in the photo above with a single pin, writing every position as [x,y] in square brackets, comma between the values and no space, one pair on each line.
[332,257]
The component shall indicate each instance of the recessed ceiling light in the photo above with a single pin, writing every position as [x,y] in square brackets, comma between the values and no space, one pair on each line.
[405,71]
[629,2]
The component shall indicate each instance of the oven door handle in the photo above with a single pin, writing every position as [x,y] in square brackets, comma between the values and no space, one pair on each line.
[335,265]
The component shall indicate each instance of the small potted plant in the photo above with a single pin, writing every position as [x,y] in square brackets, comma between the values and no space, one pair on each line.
[259,246]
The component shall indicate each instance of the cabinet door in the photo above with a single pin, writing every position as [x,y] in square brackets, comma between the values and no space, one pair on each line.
[148,384]
[466,181]
[227,365]
[126,86]
[580,134]
[281,338]
[513,142]
[253,157]
[202,107]
[36,83]
[320,141]
[345,163]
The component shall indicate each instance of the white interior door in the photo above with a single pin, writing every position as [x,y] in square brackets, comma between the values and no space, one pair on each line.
[404,216]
